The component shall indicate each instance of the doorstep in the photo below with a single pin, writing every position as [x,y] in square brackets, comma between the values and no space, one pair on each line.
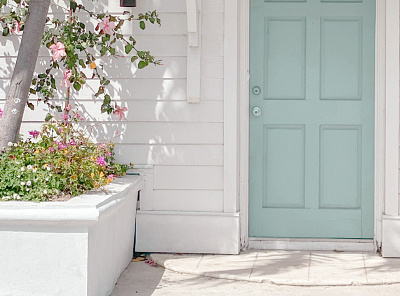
[295,268]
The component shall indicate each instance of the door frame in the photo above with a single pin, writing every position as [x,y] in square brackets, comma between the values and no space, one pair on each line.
[237,113]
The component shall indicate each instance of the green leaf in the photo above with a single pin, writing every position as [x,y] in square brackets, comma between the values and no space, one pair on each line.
[59,109]
[73,5]
[42,76]
[3,2]
[6,31]
[142,64]
[32,91]
[82,63]
[128,48]
[134,58]
[77,86]
[103,50]
[31,106]
[48,117]
[142,25]
[112,50]
[107,99]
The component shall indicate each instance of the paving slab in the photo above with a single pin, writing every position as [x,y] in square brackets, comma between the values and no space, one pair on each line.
[281,267]
[144,280]
[293,268]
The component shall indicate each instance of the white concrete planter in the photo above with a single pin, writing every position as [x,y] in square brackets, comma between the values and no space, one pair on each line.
[78,247]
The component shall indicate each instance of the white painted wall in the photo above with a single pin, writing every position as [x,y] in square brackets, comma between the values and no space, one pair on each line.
[76,248]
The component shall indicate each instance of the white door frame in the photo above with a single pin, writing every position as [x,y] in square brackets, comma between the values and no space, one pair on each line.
[236,112]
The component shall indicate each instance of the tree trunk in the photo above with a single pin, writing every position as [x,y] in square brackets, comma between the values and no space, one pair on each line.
[17,95]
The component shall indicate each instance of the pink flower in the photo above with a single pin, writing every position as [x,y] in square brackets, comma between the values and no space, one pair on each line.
[34,133]
[51,149]
[1,113]
[60,130]
[103,146]
[17,28]
[120,112]
[62,146]
[101,161]
[66,82]
[72,143]
[111,177]
[58,51]
[107,26]
[64,116]
[108,153]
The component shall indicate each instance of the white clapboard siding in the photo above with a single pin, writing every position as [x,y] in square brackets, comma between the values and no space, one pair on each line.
[189,177]
[212,6]
[164,45]
[142,89]
[141,6]
[212,45]
[151,132]
[173,67]
[125,89]
[189,200]
[212,89]
[152,111]
[212,67]
[183,141]
[199,155]
[213,23]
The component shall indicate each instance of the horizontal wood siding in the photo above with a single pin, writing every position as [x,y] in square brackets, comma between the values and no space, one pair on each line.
[183,141]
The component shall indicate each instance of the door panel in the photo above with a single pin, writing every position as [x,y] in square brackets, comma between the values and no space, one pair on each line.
[312,147]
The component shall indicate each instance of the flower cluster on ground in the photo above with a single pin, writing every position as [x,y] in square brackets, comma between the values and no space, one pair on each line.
[59,160]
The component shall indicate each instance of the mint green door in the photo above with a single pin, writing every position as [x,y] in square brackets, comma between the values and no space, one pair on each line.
[312,118]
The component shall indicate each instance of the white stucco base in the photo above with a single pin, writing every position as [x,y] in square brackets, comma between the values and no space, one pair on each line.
[78,247]
[187,232]
[391,236]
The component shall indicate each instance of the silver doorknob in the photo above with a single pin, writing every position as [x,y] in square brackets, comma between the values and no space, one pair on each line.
[256,111]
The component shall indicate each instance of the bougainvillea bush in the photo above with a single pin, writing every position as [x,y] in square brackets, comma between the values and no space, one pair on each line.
[56,163]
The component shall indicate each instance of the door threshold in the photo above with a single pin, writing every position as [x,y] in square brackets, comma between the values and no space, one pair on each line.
[312,244]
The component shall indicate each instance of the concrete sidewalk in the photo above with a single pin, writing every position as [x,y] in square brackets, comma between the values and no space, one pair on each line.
[294,268]
[142,279]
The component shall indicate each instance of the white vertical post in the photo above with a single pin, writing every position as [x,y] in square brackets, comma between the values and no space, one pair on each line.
[392,109]
[231,102]
[194,51]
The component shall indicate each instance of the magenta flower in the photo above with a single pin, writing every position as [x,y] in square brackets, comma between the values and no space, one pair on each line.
[61,146]
[72,143]
[66,82]
[101,161]
[64,116]
[58,51]
[107,26]
[120,112]
[51,149]
[1,113]
[34,133]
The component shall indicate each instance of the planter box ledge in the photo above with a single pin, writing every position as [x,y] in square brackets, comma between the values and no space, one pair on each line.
[78,247]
